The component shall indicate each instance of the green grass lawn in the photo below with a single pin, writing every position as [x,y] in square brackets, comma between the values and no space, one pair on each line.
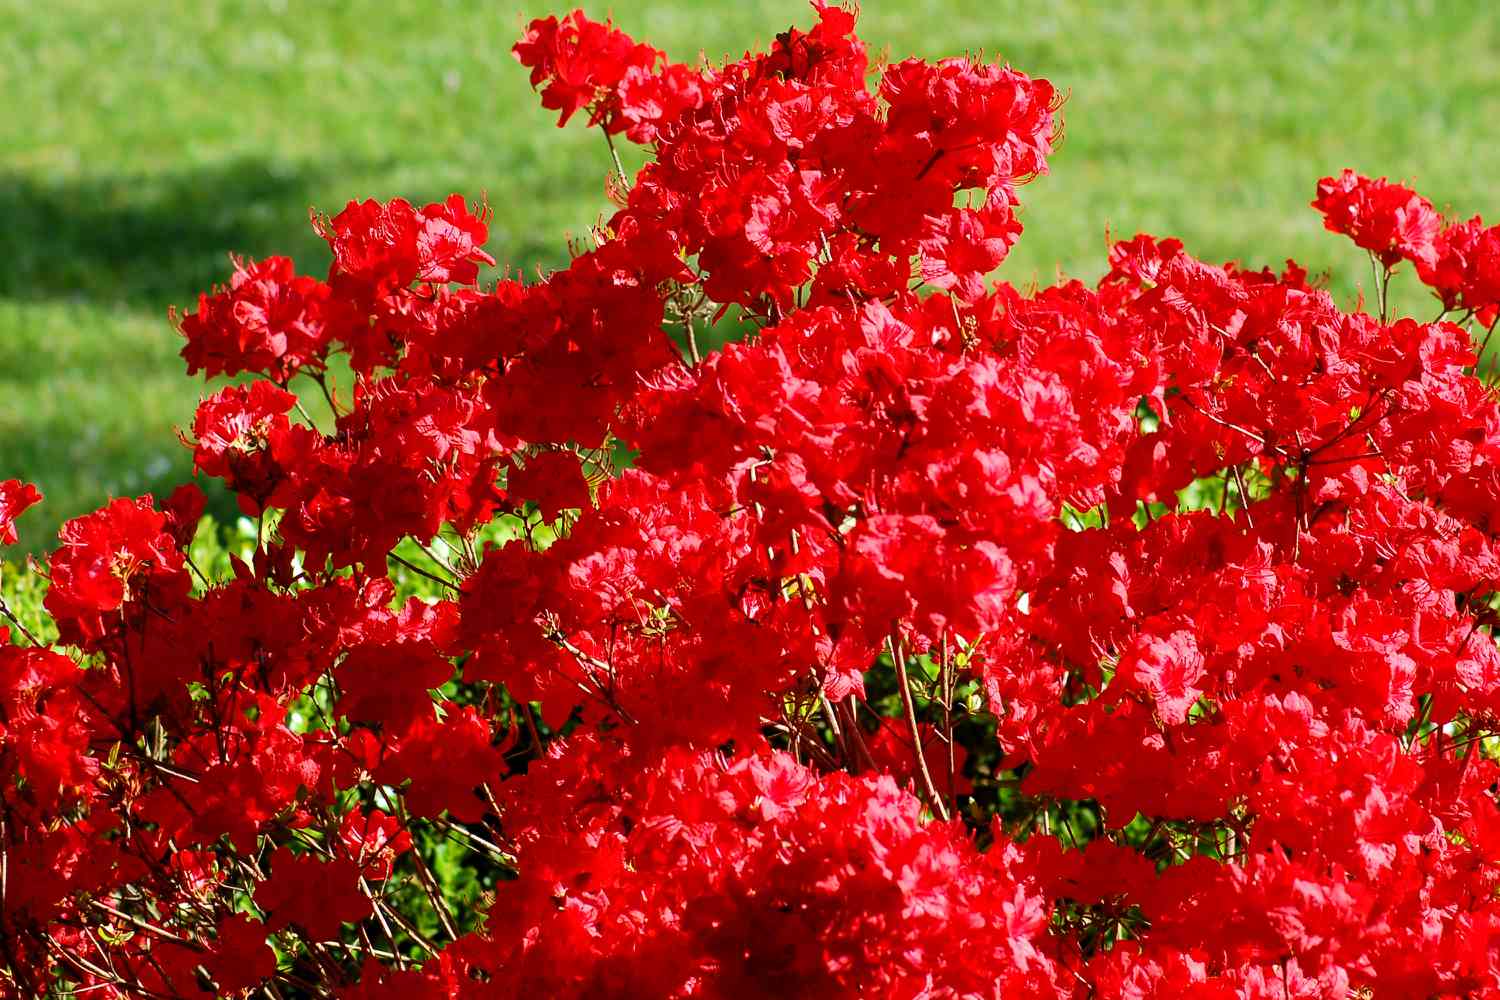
[143,140]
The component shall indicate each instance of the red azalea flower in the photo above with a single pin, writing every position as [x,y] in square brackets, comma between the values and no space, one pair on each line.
[1390,220]
[15,497]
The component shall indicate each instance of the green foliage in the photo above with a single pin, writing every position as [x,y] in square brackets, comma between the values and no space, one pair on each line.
[21,593]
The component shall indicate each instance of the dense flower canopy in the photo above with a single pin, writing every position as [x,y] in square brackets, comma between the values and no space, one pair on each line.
[928,638]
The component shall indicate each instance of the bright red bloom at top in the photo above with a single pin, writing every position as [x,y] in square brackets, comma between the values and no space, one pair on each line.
[1390,220]
[268,320]
[387,246]
[581,62]
[450,243]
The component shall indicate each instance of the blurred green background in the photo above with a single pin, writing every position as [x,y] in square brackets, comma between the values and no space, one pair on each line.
[141,141]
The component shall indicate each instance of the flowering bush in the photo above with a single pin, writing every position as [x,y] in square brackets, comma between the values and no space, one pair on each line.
[940,640]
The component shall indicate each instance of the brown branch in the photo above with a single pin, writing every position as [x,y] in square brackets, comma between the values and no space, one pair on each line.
[909,705]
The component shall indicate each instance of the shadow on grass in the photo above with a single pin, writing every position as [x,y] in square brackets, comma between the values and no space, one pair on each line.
[157,239]
[153,239]
[79,467]
[88,268]
[88,359]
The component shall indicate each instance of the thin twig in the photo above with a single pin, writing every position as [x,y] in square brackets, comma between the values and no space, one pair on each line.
[614,154]
[899,659]
[422,572]
[145,925]
[429,884]
[5,610]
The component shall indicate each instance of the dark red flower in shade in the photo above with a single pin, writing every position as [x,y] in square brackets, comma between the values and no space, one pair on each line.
[441,978]
[447,761]
[242,956]
[314,894]
[389,682]
[892,752]
[1389,220]
[184,510]
[553,480]
[15,498]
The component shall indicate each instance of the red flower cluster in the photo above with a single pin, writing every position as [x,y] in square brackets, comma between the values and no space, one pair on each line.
[625,86]
[269,320]
[15,498]
[1391,221]
[1465,270]
[943,640]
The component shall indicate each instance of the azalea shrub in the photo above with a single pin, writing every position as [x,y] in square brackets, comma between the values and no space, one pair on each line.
[771,603]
